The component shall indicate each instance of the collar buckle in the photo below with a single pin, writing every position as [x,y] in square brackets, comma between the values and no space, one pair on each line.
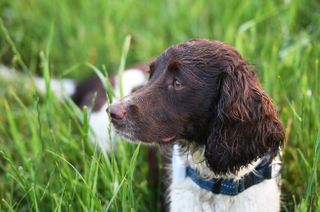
[216,188]
[241,185]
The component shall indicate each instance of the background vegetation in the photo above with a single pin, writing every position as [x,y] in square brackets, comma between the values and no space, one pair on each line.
[46,160]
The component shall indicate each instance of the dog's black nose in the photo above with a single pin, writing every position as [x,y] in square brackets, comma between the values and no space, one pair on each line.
[117,111]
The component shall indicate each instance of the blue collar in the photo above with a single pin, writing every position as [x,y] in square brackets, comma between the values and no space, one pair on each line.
[233,187]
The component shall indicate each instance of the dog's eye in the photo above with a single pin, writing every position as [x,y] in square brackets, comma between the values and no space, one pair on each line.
[177,84]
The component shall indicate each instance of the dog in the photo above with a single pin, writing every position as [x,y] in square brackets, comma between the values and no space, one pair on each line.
[204,102]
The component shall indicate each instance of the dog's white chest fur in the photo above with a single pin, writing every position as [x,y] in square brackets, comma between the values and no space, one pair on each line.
[185,195]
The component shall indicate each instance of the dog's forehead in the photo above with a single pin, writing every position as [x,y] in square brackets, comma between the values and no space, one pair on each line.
[169,55]
[196,55]
[162,61]
[184,57]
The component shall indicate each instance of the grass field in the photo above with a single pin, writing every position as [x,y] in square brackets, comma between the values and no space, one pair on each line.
[46,160]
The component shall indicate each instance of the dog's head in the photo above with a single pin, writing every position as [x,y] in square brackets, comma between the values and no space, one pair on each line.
[203,92]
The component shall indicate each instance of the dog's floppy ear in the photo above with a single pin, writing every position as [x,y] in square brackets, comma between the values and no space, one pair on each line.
[247,125]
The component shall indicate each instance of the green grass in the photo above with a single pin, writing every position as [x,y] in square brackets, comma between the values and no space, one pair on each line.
[46,159]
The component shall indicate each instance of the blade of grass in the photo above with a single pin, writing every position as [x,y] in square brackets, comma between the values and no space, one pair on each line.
[13,46]
[115,193]
[124,54]
[67,162]
[105,82]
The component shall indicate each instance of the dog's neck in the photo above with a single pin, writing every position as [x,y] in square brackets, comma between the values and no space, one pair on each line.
[187,195]
[194,157]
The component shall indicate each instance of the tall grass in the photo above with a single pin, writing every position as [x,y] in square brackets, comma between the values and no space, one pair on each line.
[46,160]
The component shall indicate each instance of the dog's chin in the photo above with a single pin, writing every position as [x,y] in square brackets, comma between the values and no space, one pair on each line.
[156,140]
[127,136]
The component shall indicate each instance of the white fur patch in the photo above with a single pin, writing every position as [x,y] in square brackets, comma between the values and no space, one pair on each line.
[7,73]
[61,88]
[131,78]
[178,165]
[99,123]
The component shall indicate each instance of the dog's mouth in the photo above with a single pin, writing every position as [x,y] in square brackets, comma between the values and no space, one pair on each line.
[157,139]
[169,139]
[125,135]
